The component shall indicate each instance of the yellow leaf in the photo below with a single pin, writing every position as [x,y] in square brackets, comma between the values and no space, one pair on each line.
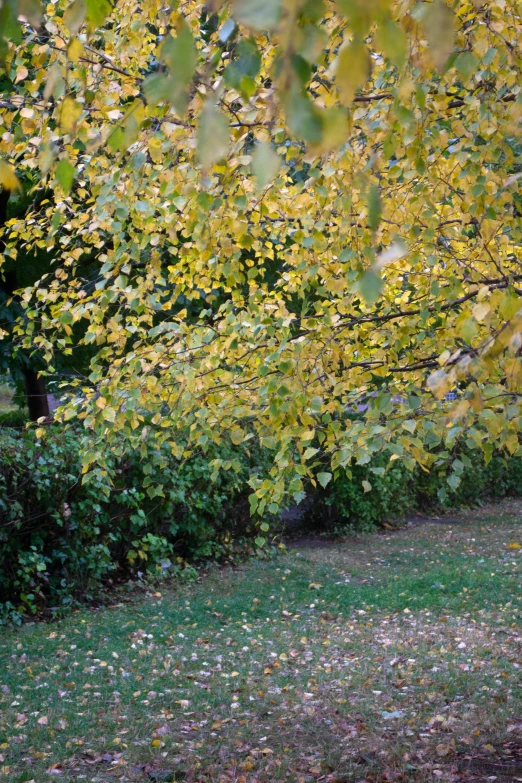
[481,310]
[75,50]
[353,69]
[237,436]
[155,743]
[439,26]
[439,384]
[8,178]
[514,545]
[21,74]
[70,113]
[513,370]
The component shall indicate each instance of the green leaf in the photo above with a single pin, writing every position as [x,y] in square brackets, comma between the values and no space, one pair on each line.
[316,403]
[213,135]
[32,10]
[374,208]
[370,286]
[260,541]
[180,54]
[324,478]
[115,140]
[265,164]
[156,88]
[97,12]
[391,38]
[10,29]
[247,63]
[265,527]
[454,481]
[65,173]
[258,14]
[353,69]
[302,117]
[466,64]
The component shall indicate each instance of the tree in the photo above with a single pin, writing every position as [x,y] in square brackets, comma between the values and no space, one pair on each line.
[304,216]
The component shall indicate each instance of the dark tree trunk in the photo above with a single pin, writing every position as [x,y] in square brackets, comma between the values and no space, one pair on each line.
[36,395]
[35,390]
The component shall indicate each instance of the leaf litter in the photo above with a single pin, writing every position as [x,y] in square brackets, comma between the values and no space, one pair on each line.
[394,657]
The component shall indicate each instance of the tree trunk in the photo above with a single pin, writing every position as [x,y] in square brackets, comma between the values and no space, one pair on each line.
[35,391]
[36,394]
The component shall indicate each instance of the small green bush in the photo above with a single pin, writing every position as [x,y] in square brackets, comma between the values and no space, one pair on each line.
[15,417]
[62,540]
[346,504]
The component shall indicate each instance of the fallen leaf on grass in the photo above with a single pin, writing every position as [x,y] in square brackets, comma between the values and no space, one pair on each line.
[55,769]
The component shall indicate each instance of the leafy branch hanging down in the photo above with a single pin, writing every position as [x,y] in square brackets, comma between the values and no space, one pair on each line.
[297,222]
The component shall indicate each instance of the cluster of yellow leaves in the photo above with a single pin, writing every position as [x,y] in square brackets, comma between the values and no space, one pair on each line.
[296,221]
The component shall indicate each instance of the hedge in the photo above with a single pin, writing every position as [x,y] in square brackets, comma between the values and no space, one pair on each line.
[62,540]
[347,505]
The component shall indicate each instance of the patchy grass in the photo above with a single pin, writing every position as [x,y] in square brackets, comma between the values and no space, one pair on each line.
[394,657]
[6,399]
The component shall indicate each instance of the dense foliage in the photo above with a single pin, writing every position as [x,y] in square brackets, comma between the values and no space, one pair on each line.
[364,496]
[62,540]
[258,215]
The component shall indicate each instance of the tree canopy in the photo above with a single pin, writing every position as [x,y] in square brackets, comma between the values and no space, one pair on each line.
[290,220]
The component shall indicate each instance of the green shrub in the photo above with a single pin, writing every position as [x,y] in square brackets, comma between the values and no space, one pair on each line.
[377,492]
[347,504]
[15,417]
[62,540]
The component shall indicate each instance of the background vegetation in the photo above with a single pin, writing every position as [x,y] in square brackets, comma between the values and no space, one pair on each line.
[64,540]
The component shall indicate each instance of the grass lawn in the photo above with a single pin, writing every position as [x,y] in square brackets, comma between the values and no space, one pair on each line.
[6,399]
[392,657]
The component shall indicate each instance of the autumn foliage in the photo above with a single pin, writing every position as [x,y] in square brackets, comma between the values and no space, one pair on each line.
[290,221]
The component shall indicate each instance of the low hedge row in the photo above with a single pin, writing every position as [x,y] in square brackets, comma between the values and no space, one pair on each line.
[61,540]
[348,505]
